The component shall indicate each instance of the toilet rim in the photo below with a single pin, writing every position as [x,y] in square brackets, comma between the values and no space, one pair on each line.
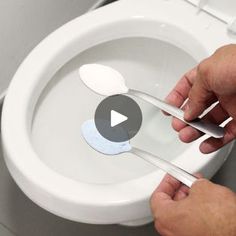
[41,64]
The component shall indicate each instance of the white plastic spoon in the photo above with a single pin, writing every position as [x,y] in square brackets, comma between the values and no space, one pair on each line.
[102,145]
[106,81]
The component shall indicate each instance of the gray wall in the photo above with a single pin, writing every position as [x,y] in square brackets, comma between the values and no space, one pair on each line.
[23,23]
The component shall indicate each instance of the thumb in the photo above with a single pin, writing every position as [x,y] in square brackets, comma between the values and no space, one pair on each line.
[199,98]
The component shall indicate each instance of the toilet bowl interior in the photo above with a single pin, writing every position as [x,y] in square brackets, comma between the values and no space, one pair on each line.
[150,65]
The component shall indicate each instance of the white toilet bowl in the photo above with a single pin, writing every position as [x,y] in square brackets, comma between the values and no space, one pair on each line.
[152,45]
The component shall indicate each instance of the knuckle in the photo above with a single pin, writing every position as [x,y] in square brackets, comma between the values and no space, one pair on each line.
[206,73]
[191,95]
[199,185]
[204,69]
[190,75]
[194,98]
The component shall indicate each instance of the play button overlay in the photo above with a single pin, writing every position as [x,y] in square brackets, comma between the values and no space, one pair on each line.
[118,118]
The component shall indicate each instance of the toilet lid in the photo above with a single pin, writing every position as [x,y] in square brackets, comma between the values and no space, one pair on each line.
[224,10]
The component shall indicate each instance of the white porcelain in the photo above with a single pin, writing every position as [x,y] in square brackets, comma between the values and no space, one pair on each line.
[224,10]
[46,104]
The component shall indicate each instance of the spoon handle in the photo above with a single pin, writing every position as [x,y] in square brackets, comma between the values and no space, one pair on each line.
[178,173]
[205,127]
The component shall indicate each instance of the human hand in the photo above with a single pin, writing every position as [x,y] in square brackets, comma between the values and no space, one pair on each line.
[212,80]
[204,210]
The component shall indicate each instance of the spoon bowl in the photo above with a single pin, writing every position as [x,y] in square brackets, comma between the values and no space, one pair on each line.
[103,79]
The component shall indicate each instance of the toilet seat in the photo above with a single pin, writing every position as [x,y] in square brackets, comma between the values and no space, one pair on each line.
[200,36]
[223,11]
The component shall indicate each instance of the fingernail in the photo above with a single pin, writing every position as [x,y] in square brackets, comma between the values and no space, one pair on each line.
[183,195]
[206,148]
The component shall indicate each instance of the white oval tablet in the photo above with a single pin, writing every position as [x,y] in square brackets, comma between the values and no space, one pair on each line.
[103,80]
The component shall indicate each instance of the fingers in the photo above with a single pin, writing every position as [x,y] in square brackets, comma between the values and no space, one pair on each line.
[170,189]
[168,186]
[180,92]
[178,124]
[188,134]
[212,144]
[181,193]
[200,93]
[164,193]
[165,208]
[161,199]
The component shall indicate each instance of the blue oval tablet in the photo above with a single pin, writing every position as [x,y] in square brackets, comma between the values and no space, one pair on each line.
[99,143]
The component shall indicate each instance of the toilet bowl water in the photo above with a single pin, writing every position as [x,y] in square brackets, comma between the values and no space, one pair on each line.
[66,103]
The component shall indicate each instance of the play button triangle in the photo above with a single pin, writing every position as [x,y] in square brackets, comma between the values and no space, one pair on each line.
[117,118]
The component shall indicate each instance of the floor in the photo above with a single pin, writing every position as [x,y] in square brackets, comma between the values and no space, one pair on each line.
[20,216]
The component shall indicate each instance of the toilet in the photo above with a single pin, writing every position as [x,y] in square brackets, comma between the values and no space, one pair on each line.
[152,43]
